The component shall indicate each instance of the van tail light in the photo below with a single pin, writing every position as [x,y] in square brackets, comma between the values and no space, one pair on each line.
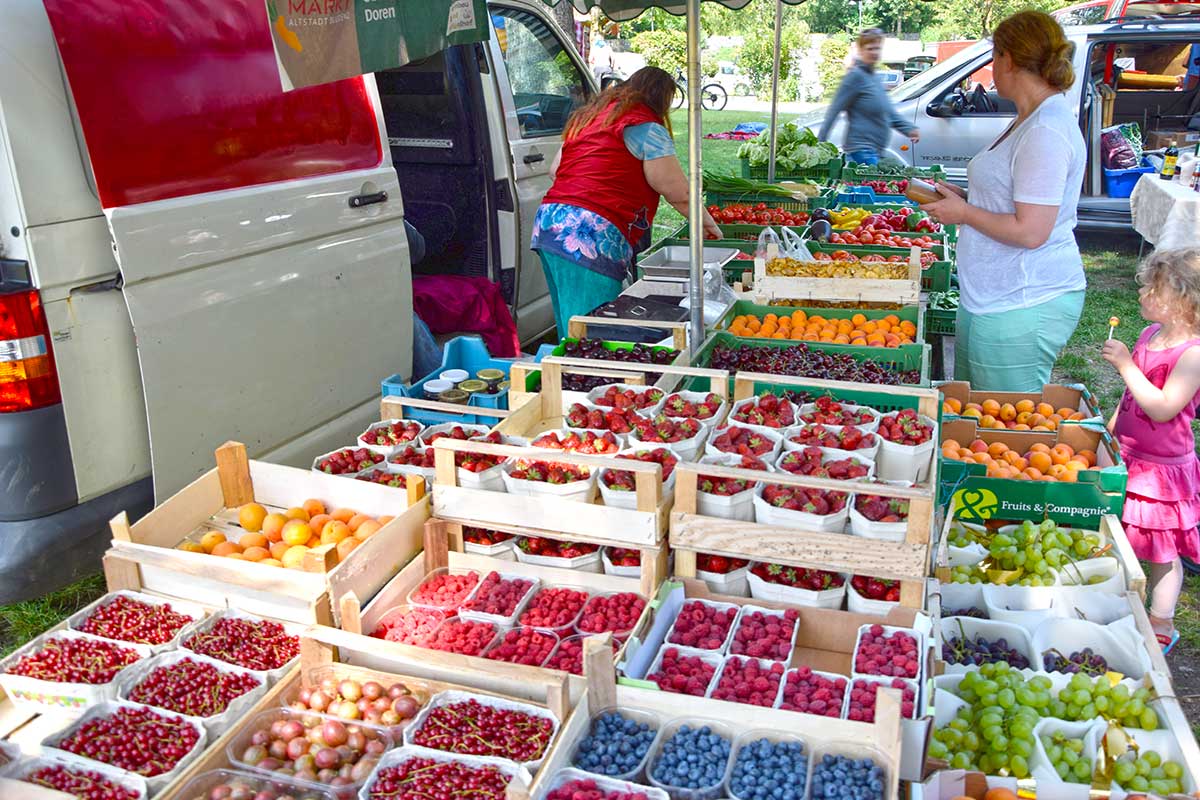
[28,377]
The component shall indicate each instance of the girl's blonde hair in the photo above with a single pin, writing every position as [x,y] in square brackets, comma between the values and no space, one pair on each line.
[1178,272]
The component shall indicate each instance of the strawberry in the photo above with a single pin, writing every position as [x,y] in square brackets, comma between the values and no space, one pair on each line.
[725,487]
[663,429]
[623,481]
[876,588]
[391,434]
[629,399]
[348,460]
[678,406]
[624,558]
[538,546]
[718,564]
[830,412]
[847,438]
[798,577]
[811,461]
[548,472]
[615,420]
[767,411]
[590,443]
[797,498]
[905,427]
[742,442]
[483,536]
[881,509]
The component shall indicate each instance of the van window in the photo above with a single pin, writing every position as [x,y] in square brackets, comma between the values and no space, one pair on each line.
[918,85]
[545,83]
[210,114]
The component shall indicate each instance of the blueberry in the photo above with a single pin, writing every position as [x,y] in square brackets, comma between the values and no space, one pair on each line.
[692,758]
[615,745]
[765,770]
[839,776]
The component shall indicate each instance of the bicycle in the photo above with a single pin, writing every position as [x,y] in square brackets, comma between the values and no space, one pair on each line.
[713,96]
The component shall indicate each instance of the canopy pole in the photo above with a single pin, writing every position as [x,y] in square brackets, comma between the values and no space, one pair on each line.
[775,88]
[695,168]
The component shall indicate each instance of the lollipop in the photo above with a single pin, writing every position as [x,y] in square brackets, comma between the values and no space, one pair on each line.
[1113,322]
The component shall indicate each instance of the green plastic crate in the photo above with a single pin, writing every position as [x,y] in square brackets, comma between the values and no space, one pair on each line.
[940,252]
[533,380]
[866,172]
[749,198]
[890,357]
[828,173]
[911,313]
[736,233]
[881,400]
[940,322]
[733,270]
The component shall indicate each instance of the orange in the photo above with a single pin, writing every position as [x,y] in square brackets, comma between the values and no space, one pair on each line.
[859,320]
[227,548]
[342,514]
[295,512]
[256,553]
[1008,412]
[883,325]
[997,449]
[210,540]
[1087,456]
[313,507]
[1025,405]
[991,407]
[334,532]
[296,532]
[273,525]
[1041,461]
[251,516]
[249,540]
[1045,409]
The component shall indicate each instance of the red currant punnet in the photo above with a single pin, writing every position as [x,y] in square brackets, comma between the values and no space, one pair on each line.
[62,659]
[256,644]
[474,728]
[128,620]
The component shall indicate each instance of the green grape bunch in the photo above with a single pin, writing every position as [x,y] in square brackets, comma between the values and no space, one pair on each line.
[1067,757]
[1031,554]
[993,732]
[1146,771]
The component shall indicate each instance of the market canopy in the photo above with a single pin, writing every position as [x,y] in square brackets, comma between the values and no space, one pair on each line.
[621,10]
[320,41]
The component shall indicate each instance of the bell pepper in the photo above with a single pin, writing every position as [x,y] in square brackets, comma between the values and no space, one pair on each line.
[912,222]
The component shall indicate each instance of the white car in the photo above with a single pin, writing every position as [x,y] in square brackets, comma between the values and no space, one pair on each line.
[189,255]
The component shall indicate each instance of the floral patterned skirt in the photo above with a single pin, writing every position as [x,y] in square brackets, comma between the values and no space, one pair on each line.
[582,236]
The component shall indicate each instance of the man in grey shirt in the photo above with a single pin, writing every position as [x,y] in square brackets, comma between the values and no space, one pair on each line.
[869,111]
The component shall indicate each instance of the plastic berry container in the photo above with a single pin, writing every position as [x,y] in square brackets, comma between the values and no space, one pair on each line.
[498,619]
[610,787]
[415,597]
[491,653]
[850,750]
[889,630]
[636,715]
[747,611]
[201,787]
[453,623]
[575,668]
[774,737]
[562,630]
[707,656]
[665,734]
[22,768]
[622,633]
[692,603]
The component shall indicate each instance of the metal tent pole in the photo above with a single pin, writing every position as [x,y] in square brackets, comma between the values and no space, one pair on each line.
[695,204]
[775,88]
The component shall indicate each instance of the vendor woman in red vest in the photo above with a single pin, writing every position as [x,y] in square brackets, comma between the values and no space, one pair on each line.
[617,158]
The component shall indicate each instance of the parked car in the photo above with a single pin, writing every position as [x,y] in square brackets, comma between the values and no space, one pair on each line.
[180,262]
[891,78]
[955,106]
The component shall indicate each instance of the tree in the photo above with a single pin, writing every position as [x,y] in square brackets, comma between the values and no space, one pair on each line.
[974,19]
[833,56]
[564,15]
[830,16]
[757,57]
[897,16]
[666,49]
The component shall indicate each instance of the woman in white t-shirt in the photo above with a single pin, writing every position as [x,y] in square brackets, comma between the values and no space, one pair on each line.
[1020,273]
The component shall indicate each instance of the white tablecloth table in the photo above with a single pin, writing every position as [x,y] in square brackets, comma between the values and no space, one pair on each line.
[1165,213]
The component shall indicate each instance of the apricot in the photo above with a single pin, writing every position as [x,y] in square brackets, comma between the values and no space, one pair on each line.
[192,547]
[343,514]
[1008,412]
[227,549]
[313,507]
[255,553]
[296,532]
[367,530]
[272,526]
[345,546]
[334,532]
[356,520]
[294,557]
[251,516]
[210,540]
[249,540]
[1045,409]
[295,512]
[1025,406]
[990,407]
[277,549]
[271,562]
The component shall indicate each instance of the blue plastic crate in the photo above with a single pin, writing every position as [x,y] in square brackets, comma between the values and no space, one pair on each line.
[1120,182]
[462,352]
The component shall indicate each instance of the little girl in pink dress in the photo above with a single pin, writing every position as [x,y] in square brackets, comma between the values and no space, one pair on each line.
[1153,427]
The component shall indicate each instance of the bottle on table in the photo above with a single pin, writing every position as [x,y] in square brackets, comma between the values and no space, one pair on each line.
[1170,159]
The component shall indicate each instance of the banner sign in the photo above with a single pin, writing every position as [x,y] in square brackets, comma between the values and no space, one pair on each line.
[320,41]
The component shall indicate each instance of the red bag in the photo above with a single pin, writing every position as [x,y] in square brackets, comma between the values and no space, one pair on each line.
[460,304]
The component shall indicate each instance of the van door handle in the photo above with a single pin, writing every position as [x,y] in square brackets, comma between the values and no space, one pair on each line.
[360,200]
[534,158]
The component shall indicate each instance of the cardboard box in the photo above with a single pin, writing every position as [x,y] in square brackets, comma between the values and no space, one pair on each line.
[1057,395]
[978,497]
[1164,137]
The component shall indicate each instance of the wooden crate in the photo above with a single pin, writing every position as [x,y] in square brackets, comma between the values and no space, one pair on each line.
[1110,527]
[144,557]
[906,561]
[317,653]
[767,287]
[443,548]
[818,733]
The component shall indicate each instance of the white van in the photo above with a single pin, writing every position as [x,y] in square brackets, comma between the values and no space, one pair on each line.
[189,255]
